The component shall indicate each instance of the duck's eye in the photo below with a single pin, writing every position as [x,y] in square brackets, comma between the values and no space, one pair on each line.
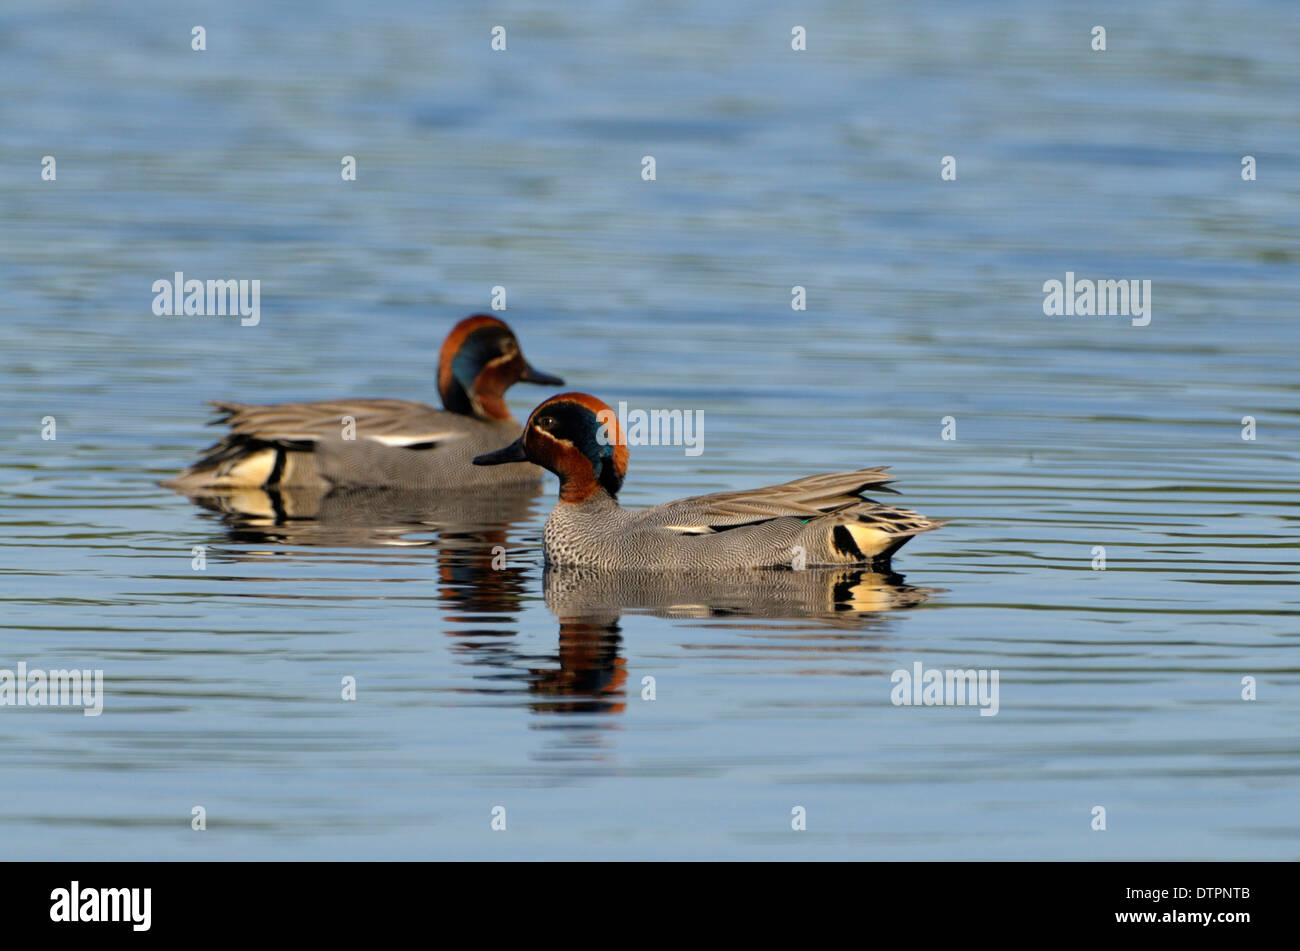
[546,422]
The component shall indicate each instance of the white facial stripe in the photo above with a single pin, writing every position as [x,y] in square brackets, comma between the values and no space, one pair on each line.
[504,358]
[556,439]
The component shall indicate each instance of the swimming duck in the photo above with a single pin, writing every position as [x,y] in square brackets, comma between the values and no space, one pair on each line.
[380,442]
[817,520]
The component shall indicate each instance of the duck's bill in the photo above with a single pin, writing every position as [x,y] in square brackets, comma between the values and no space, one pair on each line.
[511,453]
[533,375]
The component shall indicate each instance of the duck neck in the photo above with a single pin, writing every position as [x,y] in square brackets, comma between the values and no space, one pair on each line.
[586,492]
[492,406]
[455,399]
[485,404]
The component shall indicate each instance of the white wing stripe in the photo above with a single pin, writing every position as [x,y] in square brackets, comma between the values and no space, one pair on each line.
[411,439]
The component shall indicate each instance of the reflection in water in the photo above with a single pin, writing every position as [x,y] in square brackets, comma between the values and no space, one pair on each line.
[469,531]
[367,517]
[485,591]
[589,603]
[841,596]
[591,672]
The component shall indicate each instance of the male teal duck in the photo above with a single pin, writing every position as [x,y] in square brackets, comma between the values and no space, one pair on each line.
[380,442]
[814,521]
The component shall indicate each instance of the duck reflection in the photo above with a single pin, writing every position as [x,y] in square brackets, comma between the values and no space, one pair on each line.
[838,596]
[367,517]
[469,531]
[588,674]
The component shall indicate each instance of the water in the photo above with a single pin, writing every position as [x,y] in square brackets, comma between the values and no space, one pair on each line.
[1119,688]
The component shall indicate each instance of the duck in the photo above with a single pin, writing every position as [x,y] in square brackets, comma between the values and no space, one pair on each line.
[350,443]
[818,520]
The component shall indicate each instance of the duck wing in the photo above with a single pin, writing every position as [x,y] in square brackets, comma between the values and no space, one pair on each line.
[807,498]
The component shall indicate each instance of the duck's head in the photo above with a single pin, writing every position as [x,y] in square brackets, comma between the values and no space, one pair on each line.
[480,360]
[577,437]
